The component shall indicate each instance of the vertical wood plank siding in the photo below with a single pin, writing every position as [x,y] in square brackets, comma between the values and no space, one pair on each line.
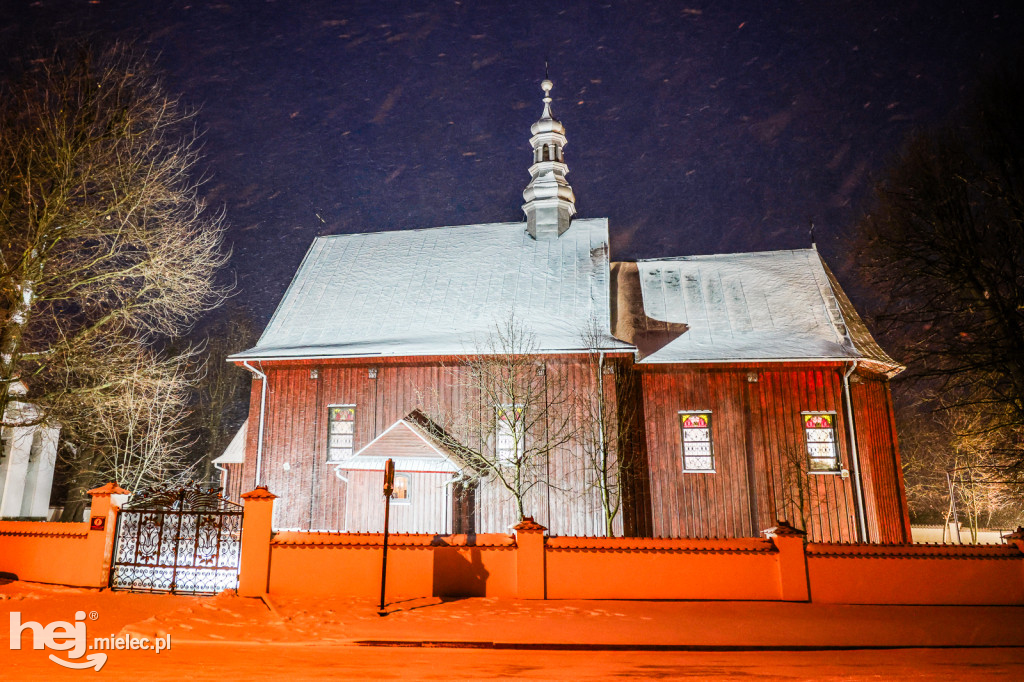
[697,504]
[236,484]
[758,444]
[429,509]
[888,517]
[632,442]
[757,435]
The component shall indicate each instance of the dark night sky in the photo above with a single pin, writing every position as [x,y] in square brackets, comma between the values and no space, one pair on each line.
[696,127]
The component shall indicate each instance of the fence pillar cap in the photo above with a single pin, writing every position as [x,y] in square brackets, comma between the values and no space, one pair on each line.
[109,489]
[528,524]
[259,493]
[783,529]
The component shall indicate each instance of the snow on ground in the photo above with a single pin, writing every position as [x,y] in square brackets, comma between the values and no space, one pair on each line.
[229,636]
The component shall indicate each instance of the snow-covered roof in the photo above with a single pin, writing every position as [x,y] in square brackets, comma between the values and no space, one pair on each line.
[234,453]
[441,291]
[770,306]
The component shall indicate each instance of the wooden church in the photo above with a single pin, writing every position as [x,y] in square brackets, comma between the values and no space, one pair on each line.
[743,388]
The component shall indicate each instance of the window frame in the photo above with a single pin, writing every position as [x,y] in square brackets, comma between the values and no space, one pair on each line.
[408,488]
[710,441]
[837,458]
[352,448]
[519,445]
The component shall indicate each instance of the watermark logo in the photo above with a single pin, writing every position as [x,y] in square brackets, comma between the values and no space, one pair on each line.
[72,638]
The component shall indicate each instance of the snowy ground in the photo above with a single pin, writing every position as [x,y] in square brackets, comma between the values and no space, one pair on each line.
[228,636]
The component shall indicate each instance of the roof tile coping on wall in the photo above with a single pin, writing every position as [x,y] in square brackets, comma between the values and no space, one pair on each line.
[528,524]
[898,551]
[109,489]
[695,545]
[340,539]
[44,529]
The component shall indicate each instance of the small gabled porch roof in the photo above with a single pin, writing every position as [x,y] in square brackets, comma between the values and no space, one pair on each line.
[234,453]
[412,442]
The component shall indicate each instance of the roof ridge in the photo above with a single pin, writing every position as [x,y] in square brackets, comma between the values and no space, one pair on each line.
[440,227]
[832,308]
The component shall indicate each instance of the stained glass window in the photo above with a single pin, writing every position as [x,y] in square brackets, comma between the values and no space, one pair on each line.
[341,420]
[510,435]
[820,432]
[697,452]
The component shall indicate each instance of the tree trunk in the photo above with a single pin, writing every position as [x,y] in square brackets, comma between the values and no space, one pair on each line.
[10,340]
[78,495]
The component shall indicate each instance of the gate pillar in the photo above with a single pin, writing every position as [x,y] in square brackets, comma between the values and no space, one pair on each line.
[254,572]
[102,530]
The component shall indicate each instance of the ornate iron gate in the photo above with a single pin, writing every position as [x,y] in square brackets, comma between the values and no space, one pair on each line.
[184,540]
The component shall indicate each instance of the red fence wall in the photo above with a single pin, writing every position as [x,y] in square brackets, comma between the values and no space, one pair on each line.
[45,552]
[528,565]
[349,564]
[648,568]
[75,554]
[627,568]
[915,574]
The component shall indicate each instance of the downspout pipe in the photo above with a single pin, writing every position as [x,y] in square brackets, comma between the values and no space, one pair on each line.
[600,400]
[855,455]
[263,410]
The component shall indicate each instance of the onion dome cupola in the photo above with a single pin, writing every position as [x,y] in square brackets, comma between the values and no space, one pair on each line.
[550,203]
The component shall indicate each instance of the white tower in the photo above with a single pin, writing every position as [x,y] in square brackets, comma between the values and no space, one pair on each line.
[550,203]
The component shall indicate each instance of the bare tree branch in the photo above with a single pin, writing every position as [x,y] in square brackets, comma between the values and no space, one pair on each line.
[106,251]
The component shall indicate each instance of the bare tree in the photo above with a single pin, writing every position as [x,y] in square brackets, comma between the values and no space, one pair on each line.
[604,419]
[515,414]
[134,432]
[958,467]
[924,444]
[945,248]
[107,248]
[799,498]
[223,389]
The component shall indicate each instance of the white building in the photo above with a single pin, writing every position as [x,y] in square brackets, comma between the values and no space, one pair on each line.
[27,458]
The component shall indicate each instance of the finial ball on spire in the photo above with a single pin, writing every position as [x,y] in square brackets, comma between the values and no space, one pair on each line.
[546,85]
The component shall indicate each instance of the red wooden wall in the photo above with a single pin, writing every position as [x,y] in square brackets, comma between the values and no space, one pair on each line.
[295,433]
[888,517]
[757,433]
[759,448]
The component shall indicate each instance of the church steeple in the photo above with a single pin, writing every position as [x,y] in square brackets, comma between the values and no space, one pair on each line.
[550,203]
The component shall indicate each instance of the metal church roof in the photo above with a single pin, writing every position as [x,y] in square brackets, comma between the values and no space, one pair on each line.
[764,306]
[441,291]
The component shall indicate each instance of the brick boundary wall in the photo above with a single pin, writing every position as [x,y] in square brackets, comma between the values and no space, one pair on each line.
[527,564]
[76,554]
[916,574]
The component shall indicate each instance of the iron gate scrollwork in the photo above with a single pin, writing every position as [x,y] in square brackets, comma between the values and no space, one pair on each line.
[184,540]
